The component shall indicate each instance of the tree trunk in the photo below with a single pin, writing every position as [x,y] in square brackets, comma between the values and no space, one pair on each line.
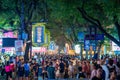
[28,49]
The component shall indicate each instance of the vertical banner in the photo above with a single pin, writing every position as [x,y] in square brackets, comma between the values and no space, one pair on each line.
[87,45]
[93,43]
[47,37]
[81,36]
[38,34]
[52,45]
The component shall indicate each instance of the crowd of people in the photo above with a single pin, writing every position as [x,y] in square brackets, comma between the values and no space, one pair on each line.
[45,67]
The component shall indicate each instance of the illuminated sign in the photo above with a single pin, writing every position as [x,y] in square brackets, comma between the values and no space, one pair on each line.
[52,45]
[39,49]
[8,50]
[115,47]
[86,44]
[18,45]
[39,34]
[0,42]
[77,49]
[81,37]
[10,35]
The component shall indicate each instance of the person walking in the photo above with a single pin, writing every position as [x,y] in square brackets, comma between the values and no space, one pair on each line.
[21,70]
[94,70]
[27,70]
[98,74]
[105,68]
[8,71]
[80,74]
[51,71]
[12,68]
[62,68]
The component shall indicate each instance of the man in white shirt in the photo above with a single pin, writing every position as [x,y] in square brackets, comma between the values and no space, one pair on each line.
[104,67]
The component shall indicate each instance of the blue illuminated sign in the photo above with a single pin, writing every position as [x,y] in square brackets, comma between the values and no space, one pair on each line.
[81,36]
[100,37]
[39,34]
[52,45]
[86,44]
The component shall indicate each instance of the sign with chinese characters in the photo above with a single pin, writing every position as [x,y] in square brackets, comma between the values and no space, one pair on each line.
[100,37]
[39,49]
[81,36]
[8,50]
[52,45]
[86,44]
[18,45]
[115,47]
[77,49]
[38,34]
[94,37]
[93,43]
[10,35]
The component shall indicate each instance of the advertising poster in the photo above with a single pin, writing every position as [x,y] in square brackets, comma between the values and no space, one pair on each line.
[18,45]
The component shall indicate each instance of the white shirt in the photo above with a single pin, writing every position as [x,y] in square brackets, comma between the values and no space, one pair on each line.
[70,68]
[104,67]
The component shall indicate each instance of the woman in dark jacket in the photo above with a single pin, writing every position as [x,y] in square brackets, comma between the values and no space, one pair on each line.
[21,71]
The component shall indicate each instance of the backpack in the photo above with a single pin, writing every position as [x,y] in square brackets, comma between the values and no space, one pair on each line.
[26,67]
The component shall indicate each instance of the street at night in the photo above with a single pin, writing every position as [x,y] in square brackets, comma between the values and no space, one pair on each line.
[59,39]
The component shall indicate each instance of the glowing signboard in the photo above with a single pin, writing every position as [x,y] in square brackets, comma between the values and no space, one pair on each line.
[18,45]
[0,42]
[38,33]
[10,35]
[77,48]
[115,47]
[39,49]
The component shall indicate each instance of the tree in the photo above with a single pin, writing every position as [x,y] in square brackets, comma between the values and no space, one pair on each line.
[63,18]
[113,13]
[8,21]
[25,12]
[104,12]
